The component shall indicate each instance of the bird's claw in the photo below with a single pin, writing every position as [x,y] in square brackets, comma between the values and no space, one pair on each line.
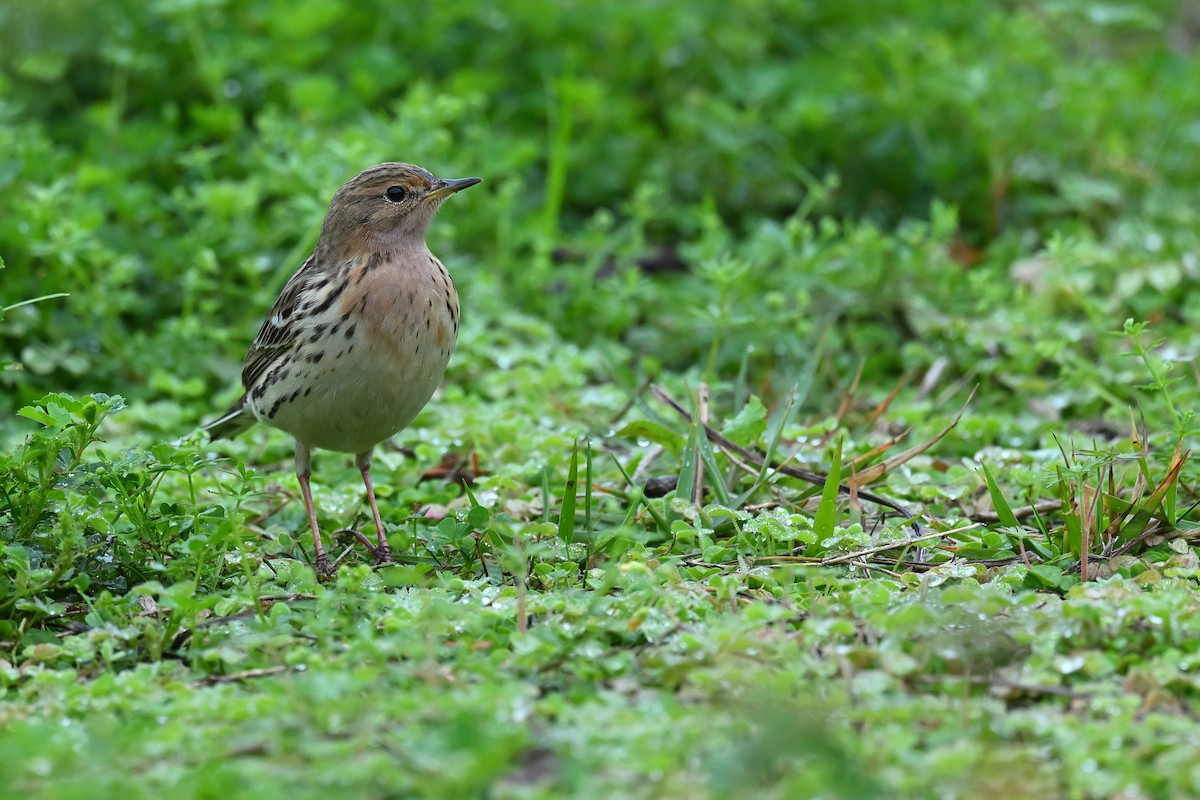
[382,553]
[324,568]
[344,532]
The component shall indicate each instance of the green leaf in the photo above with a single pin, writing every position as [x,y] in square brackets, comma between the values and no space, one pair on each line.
[44,65]
[639,499]
[826,518]
[1073,525]
[716,481]
[397,575]
[749,424]
[38,415]
[566,517]
[589,532]
[652,431]
[687,463]
[1047,575]
[478,517]
[1003,509]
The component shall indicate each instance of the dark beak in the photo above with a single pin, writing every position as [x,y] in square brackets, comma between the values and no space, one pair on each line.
[449,186]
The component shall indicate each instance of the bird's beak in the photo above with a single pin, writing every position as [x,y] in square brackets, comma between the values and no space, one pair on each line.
[449,186]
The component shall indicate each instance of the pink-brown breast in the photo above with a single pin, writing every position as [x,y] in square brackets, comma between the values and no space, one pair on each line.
[395,325]
[407,303]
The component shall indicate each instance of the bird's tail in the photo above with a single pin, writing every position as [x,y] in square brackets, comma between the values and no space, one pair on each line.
[237,419]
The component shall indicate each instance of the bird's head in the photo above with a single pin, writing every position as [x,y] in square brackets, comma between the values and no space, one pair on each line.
[388,202]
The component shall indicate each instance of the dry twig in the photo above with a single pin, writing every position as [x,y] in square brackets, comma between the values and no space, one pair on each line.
[792,472]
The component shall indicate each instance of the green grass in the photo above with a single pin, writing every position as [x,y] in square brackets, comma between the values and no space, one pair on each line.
[825,229]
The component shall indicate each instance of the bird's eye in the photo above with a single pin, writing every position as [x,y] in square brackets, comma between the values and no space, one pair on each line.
[395,193]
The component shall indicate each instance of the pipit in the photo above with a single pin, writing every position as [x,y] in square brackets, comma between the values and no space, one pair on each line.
[360,336]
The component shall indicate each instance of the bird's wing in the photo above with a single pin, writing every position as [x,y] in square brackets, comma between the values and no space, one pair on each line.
[232,422]
[282,329]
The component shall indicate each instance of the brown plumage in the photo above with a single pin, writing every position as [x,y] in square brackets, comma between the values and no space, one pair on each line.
[360,336]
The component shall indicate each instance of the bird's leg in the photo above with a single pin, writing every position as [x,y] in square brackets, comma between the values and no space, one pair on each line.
[383,553]
[303,474]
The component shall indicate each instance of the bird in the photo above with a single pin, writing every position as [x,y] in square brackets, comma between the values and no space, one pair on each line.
[361,334]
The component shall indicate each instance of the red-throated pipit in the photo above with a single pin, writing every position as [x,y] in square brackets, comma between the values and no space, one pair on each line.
[360,336]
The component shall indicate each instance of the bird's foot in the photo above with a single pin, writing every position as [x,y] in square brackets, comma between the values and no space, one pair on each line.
[382,553]
[347,532]
[324,568]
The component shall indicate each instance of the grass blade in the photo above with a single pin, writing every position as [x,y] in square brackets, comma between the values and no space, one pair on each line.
[999,502]
[827,512]
[566,517]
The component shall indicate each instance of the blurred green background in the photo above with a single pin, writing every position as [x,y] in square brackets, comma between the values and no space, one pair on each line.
[688,178]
